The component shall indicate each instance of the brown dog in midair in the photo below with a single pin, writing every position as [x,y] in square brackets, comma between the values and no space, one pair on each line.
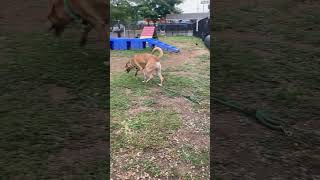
[91,13]
[148,63]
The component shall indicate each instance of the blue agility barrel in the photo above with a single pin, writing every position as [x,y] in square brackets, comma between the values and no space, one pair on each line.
[138,43]
[119,43]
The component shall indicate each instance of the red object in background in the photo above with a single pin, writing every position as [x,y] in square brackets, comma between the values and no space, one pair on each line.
[147,32]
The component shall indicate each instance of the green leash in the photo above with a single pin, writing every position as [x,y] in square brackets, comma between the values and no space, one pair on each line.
[260,115]
[70,11]
[190,98]
[268,120]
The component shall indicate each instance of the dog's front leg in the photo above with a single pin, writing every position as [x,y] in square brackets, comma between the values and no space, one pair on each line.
[86,28]
[136,72]
[101,28]
[140,67]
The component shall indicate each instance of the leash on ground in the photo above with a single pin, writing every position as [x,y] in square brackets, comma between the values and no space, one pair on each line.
[190,98]
[266,119]
[261,116]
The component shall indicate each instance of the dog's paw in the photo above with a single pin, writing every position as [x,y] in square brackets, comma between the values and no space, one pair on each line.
[143,81]
[160,85]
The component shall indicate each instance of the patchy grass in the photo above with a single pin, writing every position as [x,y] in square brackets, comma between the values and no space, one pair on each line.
[151,168]
[129,53]
[35,127]
[151,129]
[150,102]
[184,41]
[189,154]
[146,130]
[144,121]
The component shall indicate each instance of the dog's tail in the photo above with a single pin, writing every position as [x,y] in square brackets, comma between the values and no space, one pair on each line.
[158,49]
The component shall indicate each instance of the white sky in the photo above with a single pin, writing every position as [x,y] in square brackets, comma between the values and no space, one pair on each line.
[193,6]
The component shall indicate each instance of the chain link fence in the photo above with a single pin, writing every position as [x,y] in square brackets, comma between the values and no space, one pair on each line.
[133,30]
[123,29]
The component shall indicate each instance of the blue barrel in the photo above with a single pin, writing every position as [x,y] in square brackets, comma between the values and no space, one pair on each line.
[119,44]
[137,43]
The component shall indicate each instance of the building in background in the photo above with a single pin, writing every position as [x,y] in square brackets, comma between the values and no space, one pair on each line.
[186,17]
[192,18]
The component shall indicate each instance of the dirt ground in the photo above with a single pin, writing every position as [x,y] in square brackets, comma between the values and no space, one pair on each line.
[263,57]
[184,152]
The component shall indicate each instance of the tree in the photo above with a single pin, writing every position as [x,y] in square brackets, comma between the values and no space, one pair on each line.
[121,10]
[155,9]
[127,10]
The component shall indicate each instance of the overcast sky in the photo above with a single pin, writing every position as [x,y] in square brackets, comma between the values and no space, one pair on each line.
[193,6]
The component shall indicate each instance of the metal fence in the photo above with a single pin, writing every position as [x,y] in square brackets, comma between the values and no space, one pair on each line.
[129,30]
[176,29]
[132,30]
[121,29]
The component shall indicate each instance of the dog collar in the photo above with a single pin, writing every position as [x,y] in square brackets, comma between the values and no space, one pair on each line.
[70,11]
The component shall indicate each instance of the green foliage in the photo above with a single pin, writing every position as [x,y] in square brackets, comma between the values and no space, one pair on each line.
[121,10]
[127,10]
[154,9]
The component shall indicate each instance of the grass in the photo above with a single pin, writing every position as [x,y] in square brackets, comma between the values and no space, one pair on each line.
[149,102]
[128,53]
[151,129]
[276,19]
[148,166]
[139,120]
[145,130]
[189,154]
[151,168]
[32,125]
[281,71]
[266,56]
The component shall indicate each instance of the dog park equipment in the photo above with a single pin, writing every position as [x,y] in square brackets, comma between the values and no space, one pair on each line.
[147,32]
[162,45]
[136,44]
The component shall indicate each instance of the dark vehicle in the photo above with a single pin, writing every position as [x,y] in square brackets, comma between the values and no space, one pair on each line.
[203,28]
[207,41]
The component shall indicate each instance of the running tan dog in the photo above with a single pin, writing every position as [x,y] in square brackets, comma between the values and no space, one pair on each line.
[91,13]
[148,63]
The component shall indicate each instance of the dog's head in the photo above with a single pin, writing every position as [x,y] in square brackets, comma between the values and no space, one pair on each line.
[128,67]
[57,16]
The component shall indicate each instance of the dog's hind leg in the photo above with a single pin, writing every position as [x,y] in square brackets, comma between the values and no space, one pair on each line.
[101,28]
[145,76]
[150,77]
[159,74]
[161,78]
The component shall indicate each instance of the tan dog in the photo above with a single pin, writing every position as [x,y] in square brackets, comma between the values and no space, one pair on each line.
[148,63]
[91,13]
